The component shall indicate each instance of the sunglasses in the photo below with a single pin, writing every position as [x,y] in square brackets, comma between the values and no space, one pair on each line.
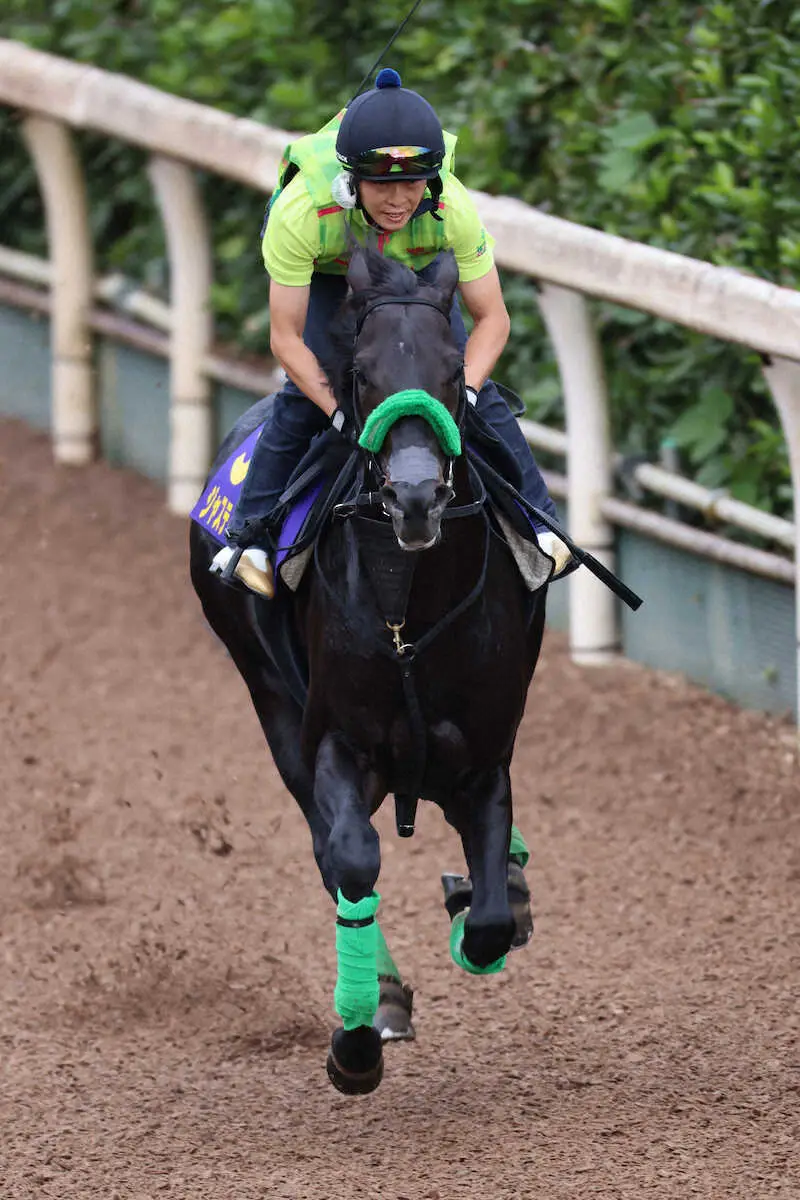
[401,161]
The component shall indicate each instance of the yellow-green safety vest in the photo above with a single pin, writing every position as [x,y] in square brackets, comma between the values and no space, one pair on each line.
[314,157]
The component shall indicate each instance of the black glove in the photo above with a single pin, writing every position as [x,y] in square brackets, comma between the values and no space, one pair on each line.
[343,425]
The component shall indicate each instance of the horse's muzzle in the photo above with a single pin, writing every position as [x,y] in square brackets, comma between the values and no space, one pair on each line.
[416,511]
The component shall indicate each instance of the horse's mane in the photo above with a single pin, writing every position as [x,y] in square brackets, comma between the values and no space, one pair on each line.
[387,278]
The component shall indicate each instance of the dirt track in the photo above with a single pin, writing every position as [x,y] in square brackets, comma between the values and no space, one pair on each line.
[167,952]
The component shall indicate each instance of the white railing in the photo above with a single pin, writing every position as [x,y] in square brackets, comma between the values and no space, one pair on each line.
[569,261]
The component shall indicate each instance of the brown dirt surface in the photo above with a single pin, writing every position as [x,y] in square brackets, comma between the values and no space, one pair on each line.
[167,951]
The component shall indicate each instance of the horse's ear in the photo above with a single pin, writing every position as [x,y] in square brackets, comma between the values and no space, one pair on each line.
[358,273]
[446,278]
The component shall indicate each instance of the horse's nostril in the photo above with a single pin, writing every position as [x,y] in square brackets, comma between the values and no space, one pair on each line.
[443,494]
[388,494]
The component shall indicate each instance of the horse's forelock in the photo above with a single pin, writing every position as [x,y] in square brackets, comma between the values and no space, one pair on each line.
[387,278]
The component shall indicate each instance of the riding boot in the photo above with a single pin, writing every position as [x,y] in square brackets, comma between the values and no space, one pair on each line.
[531,485]
[245,560]
[292,423]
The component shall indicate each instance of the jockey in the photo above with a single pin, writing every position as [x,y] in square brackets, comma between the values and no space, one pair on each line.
[382,165]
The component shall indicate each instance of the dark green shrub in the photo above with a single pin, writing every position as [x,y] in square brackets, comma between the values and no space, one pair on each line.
[672,124]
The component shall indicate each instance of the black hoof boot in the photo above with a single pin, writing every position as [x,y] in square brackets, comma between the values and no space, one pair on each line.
[519,897]
[355,1061]
[393,1018]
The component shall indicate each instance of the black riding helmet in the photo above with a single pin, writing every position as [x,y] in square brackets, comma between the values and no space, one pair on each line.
[391,132]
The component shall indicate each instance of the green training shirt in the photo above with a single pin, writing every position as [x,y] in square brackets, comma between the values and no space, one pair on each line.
[295,246]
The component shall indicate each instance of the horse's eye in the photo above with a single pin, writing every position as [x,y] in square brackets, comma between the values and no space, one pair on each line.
[359,375]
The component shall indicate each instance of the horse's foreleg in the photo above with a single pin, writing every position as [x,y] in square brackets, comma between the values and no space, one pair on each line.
[351,864]
[481,812]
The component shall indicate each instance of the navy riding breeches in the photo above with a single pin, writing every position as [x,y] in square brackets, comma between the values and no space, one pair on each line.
[295,419]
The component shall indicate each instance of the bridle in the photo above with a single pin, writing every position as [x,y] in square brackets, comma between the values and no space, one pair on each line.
[371,498]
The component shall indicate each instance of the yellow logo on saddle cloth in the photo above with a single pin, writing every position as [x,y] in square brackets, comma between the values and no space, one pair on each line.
[239,468]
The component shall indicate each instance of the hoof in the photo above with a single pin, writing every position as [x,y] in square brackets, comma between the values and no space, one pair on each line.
[355,1061]
[393,1018]
[484,947]
[519,897]
[458,897]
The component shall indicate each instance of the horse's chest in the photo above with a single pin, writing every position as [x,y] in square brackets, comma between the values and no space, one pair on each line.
[466,686]
[458,671]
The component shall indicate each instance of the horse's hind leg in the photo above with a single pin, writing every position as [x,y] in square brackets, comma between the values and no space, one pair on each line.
[519,895]
[396,1000]
[230,615]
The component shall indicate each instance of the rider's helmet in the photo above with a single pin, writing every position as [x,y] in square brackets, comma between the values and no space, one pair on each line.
[390,133]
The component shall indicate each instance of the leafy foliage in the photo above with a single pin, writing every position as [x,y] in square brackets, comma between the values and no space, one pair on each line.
[673,124]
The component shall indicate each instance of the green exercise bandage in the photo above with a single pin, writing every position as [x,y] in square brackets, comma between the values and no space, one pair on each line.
[518,850]
[357,993]
[414,402]
[457,952]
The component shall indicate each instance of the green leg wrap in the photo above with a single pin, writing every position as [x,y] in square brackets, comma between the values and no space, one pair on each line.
[383,960]
[459,957]
[357,993]
[518,850]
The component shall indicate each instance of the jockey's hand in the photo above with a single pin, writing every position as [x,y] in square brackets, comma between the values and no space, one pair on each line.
[343,425]
[552,544]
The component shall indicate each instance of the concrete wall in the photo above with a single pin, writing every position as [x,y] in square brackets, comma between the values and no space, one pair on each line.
[726,629]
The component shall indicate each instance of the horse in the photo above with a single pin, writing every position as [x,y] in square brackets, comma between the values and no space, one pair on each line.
[420,640]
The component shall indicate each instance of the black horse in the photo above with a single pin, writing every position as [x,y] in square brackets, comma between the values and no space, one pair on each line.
[420,640]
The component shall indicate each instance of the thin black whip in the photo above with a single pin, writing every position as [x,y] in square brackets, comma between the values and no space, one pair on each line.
[388,46]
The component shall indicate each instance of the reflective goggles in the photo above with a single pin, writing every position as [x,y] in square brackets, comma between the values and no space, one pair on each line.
[402,161]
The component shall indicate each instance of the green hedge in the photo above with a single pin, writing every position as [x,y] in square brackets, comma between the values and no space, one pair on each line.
[673,124]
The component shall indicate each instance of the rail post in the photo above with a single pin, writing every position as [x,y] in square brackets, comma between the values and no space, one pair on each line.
[74,413]
[190,263]
[593,620]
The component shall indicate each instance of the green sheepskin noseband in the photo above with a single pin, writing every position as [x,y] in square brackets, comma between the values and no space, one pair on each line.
[413,402]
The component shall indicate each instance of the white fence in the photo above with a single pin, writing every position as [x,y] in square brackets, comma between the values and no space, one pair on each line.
[569,262]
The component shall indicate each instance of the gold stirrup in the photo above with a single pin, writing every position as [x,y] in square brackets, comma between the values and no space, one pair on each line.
[262,582]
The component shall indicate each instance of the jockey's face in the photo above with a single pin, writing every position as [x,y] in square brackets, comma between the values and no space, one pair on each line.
[392,204]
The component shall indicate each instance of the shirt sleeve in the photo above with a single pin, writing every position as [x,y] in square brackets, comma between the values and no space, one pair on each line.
[466,236]
[291,241]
